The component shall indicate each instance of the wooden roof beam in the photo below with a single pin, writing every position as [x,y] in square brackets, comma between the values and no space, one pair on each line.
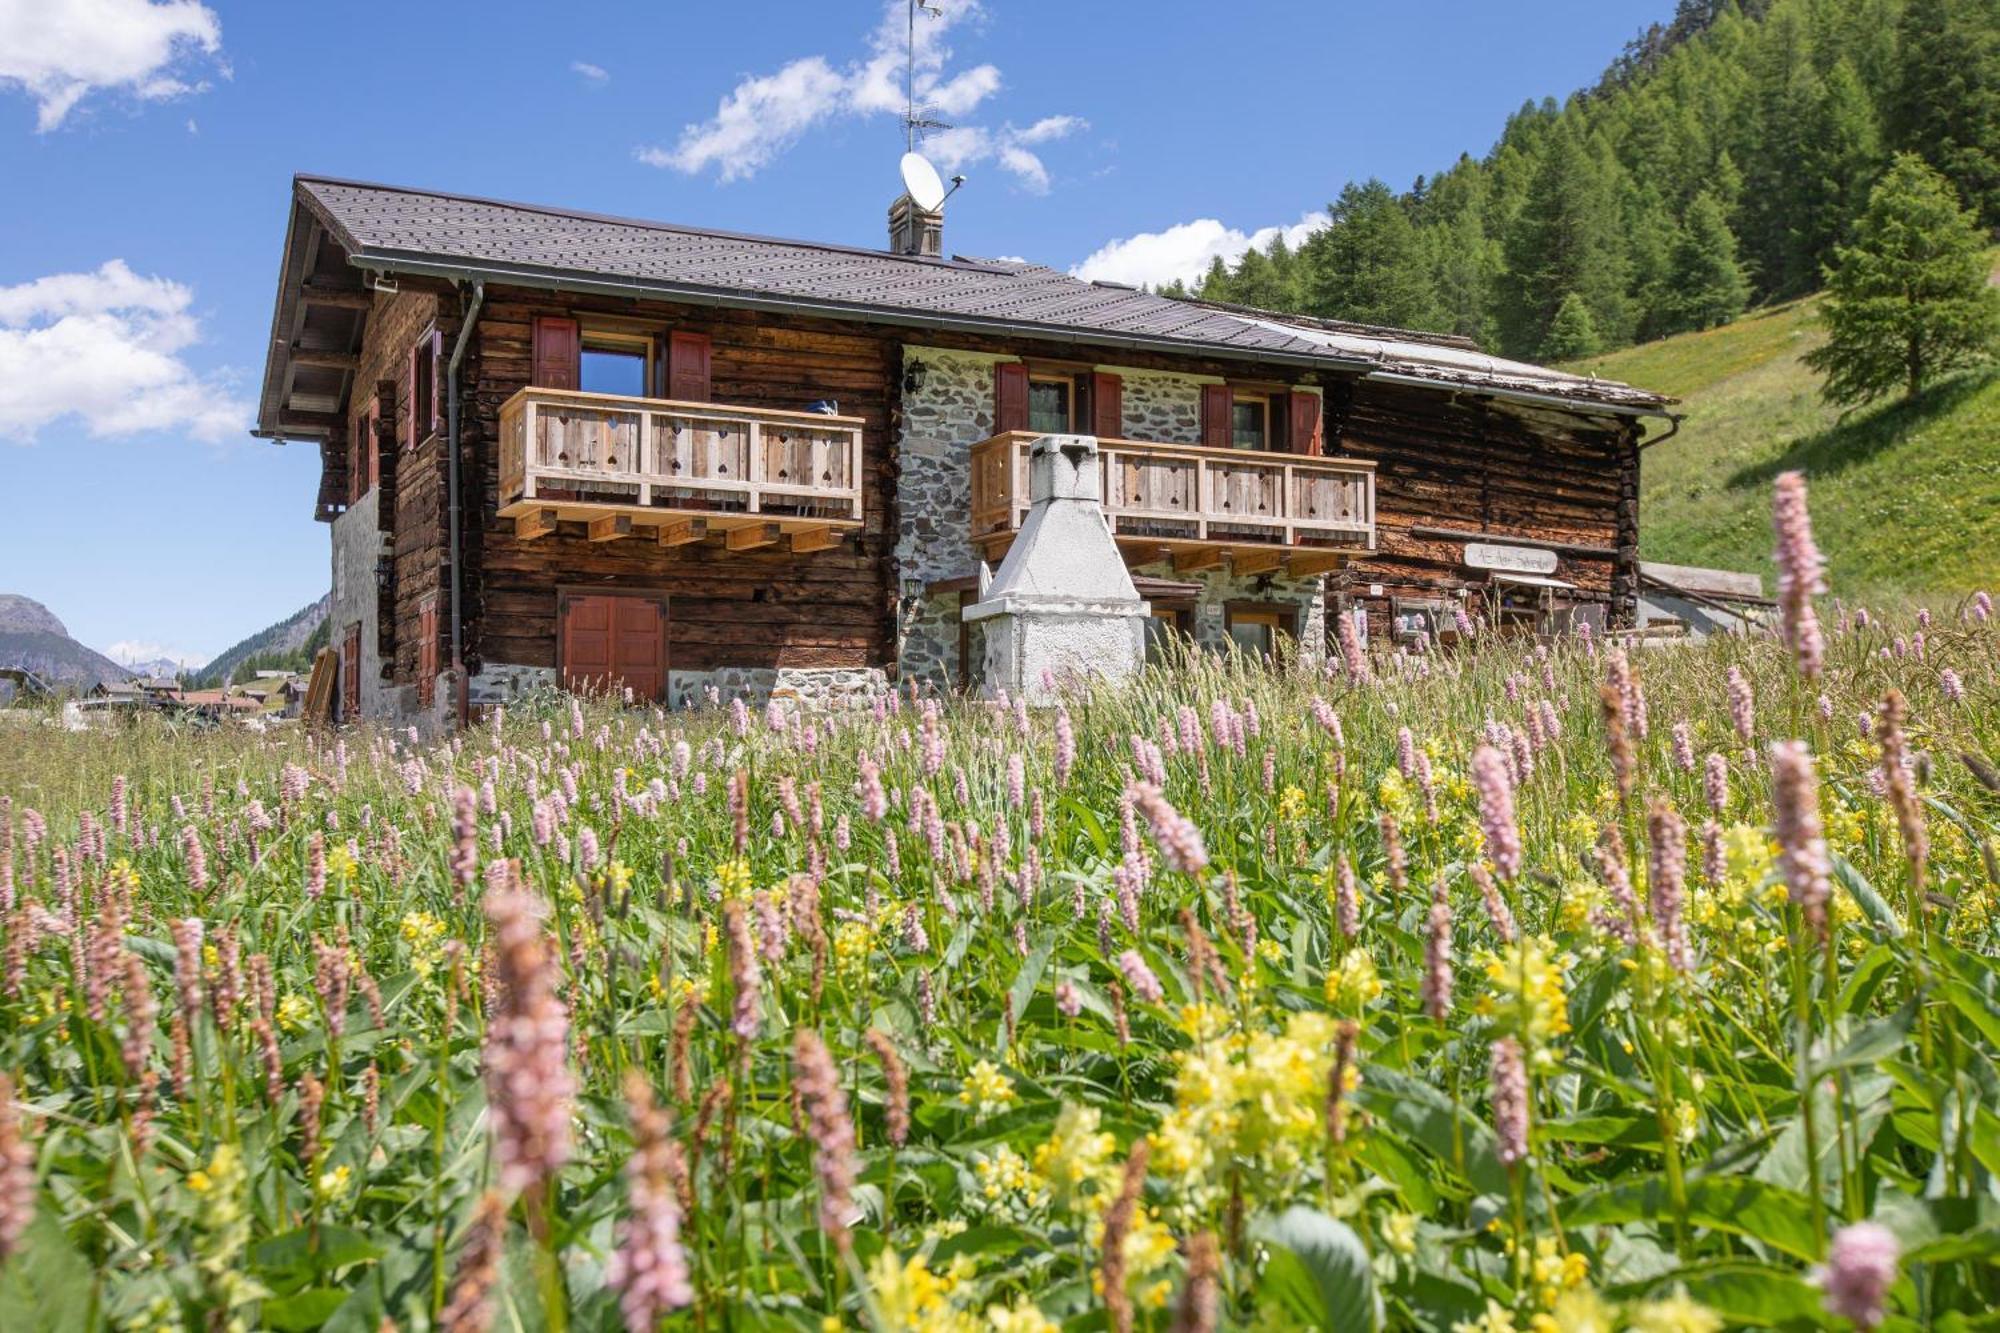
[753,536]
[535,523]
[611,527]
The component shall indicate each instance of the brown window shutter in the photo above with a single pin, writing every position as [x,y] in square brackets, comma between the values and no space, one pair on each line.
[435,349]
[1304,423]
[558,353]
[689,358]
[1107,407]
[1279,423]
[371,440]
[1216,400]
[354,463]
[1010,397]
[413,433]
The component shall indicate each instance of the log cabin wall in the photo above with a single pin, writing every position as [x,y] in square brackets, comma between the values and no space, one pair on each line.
[1457,463]
[736,620]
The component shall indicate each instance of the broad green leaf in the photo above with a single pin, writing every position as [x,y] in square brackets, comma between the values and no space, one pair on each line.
[1867,897]
[1318,1271]
[1743,1292]
[1780,1218]
[306,1310]
[44,1283]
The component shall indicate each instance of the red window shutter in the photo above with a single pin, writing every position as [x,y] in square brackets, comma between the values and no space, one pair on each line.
[1216,400]
[355,489]
[1010,397]
[1305,423]
[558,354]
[1107,407]
[688,373]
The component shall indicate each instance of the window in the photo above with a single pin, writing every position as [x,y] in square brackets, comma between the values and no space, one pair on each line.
[1051,404]
[1249,422]
[615,363]
[1167,630]
[423,386]
[1255,628]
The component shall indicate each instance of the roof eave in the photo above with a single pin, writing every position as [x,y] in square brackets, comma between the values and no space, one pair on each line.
[577,280]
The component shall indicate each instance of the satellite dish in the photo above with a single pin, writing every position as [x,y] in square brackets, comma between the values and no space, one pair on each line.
[920,178]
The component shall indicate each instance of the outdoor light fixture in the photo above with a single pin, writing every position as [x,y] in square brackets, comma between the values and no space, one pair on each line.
[915,376]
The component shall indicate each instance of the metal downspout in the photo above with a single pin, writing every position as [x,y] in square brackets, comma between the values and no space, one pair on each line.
[453,488]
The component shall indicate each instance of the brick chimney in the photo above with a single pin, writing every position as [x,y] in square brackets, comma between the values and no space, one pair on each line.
[914,230]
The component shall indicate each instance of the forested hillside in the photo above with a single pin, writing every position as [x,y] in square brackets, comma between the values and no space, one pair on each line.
[1717,164]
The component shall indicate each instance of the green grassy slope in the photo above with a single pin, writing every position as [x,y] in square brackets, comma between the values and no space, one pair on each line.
[1905,496]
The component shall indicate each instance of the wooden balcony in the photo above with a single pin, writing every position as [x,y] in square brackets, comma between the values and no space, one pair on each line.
[1259,512]
[678,472]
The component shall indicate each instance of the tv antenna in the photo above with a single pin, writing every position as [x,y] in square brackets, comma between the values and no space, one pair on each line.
[915,123]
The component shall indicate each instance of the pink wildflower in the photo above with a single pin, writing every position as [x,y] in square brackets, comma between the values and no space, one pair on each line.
[1860,1268]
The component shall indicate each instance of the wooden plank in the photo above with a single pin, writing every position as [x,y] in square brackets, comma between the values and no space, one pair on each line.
[1245,561]
[1313,562]
[346,298]
[1198,558]
[535,523]
[610,527]
[807,540]
[302,356]
[318,706]
[753,536]
[683,533]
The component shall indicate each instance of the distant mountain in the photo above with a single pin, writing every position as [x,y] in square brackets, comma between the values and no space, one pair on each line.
[31,637]
[284,643]
[156,666]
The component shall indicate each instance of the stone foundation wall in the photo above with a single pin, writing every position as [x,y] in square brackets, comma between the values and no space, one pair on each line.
[813,689]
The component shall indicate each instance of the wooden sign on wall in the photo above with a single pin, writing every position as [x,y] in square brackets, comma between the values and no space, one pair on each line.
[1513,559]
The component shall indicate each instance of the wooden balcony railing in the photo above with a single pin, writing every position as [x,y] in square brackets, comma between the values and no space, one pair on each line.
[685,469]
[1197,506]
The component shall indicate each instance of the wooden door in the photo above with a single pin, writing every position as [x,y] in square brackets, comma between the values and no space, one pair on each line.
[614,641]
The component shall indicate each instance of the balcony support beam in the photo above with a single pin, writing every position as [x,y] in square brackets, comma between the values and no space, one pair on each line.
[1306,563]
[610,527]
[1244,562]
[807,540]
[753,537]
[535,523]
[683,534]
[1201,557]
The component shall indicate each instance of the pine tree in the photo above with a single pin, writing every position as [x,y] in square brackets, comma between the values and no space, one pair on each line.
[1573,333]
[1563,242]
[1842,155]
[1909,299]
[1368,265]
[1948,99]
[1215,284]
[1705,282]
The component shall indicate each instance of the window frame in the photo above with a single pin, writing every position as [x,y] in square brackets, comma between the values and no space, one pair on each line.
[620,341]
[1068,385]
[1279,617]
[1257,398]
[425,418]
[1176,616]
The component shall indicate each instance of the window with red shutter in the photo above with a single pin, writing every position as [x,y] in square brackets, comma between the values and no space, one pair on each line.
[688,358]
[1010,397]
[1216,404]
[371,440]
[427,651]
[558,353]
[1107,406]
[424,360]
[1304,424]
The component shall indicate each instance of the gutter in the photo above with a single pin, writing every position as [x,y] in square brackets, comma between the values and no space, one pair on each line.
[468,321]
[1675,418]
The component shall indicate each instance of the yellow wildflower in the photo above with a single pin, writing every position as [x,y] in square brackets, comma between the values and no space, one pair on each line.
[1678,1313]
[1354,984]
[986,1090]
[294,1012]
[733,877]
[1077,1159]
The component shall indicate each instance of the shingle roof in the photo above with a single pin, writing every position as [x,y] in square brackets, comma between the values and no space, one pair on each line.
[412,230]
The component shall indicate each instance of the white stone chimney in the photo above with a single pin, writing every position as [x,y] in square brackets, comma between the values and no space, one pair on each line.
[1062,603]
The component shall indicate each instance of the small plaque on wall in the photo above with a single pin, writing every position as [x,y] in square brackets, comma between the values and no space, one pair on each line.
[1513,559]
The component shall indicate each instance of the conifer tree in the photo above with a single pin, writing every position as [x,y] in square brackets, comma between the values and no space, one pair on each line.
[1563,242]
[1705,282]
[1368,265]
[1572,333]
[1909,299]
[1947,105]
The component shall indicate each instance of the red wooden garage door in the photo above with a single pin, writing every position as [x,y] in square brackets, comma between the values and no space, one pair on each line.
[615,641]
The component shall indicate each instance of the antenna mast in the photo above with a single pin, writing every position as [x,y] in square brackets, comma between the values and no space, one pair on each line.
[913,123]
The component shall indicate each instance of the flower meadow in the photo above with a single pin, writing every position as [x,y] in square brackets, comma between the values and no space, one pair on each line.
[1502,986]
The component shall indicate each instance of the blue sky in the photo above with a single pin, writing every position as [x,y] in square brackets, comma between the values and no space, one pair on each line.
[147,147]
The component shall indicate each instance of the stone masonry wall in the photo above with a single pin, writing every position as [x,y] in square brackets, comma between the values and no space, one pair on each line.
[941,422]
[357,545]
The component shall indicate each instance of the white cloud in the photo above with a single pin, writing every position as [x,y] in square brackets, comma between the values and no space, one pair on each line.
[766,114]
[129,652]
[106,348]
[595,75]
[1184,250]
[61,51]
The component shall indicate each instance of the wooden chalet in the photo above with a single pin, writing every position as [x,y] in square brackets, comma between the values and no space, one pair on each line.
[567,448]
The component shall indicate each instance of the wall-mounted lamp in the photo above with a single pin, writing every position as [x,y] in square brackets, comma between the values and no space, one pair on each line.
[915,376]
